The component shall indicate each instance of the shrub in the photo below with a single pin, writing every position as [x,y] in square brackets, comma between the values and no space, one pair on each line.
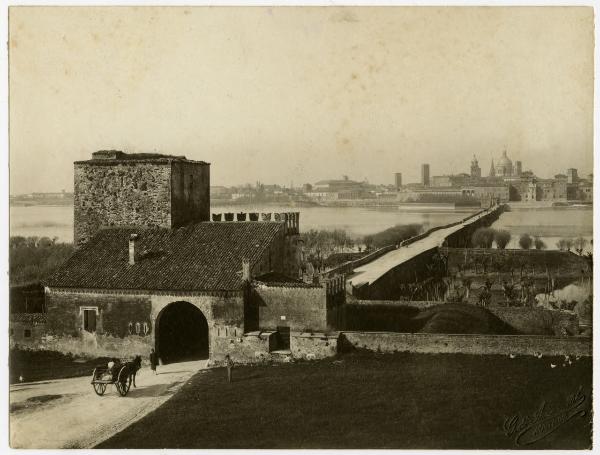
[33,258]
[564,244]
[393,235]
[579,244]
[539,243]
[525,241]
[483,237]
[502,239]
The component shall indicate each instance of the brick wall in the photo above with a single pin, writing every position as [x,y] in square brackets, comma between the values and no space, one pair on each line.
[466,344]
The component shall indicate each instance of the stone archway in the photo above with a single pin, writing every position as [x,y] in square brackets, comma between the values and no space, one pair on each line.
[181,333]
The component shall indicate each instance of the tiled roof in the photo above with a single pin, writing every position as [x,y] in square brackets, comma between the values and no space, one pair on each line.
[201,257]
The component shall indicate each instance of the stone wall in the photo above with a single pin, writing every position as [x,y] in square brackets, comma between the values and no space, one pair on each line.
[465,344]
[311,346]
[159,193]
[120,193]
[389,286]
[190,192]
[27,329]
[299,308]
[118,313]
[252,347]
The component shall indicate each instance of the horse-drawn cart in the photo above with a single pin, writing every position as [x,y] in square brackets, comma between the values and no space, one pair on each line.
[104,376]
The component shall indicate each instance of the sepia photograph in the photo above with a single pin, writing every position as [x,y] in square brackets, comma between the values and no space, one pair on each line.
[300,227]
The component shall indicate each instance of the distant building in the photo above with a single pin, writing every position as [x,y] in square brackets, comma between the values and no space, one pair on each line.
[551,190]
[220,192]
[344,189]
[518,169]
[398,180]
[62,195]
[586,191]
[504,168]
[425,174]
[492,169]
[475,169]
[572,175]
[487,194]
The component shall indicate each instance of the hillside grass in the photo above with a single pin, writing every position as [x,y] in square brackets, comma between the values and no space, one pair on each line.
[365,400]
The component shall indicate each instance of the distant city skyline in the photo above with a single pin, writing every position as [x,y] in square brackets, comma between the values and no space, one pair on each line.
[301,94]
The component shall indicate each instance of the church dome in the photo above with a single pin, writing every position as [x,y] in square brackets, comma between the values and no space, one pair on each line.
[504,167]
[505,160]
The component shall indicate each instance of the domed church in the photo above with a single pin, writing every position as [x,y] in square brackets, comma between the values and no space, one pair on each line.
[504,167]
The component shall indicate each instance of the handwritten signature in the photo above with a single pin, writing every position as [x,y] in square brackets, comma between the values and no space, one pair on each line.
[527,429]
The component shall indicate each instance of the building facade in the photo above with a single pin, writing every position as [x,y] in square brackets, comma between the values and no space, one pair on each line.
[193,290]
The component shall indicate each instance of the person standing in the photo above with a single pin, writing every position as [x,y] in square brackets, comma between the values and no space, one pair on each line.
[153,361]
[229,365]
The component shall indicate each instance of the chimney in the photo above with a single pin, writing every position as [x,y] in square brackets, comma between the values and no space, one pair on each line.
[132,241]
[246,270]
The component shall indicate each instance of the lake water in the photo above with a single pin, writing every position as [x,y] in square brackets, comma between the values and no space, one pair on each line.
[550,223]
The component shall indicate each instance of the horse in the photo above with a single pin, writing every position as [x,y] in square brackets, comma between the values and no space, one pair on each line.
[131,369]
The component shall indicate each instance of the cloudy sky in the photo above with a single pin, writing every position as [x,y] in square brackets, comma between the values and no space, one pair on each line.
[285,95]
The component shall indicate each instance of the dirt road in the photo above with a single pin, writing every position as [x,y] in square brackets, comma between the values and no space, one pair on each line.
[66,413]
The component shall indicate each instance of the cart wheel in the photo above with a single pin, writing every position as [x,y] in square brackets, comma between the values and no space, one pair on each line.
[123,388]
[99,389]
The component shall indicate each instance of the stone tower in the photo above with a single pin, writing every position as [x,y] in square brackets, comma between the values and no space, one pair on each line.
[425,174]
[475,169]
[140,189]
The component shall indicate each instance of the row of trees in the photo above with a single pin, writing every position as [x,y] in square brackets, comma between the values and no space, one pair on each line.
[33,258]
[485,237]
[577,244]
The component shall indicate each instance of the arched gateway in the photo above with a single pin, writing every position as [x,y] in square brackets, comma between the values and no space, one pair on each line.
[181,333]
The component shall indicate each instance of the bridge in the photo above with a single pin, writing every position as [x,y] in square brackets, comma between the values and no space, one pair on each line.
[379,275]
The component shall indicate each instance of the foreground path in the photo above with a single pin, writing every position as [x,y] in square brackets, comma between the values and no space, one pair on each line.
[66,413]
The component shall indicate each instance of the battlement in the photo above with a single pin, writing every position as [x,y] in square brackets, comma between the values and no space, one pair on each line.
[291,219]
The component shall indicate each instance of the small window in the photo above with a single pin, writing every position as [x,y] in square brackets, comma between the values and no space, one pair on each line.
[138,328]
[89,320]
[27,333]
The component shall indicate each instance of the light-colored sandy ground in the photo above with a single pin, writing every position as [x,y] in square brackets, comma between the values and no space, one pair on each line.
[75,417]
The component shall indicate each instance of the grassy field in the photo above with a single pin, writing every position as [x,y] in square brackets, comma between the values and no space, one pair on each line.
[366,400]
[43,365]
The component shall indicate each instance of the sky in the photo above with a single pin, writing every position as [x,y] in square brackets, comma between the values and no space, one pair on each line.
[291,95]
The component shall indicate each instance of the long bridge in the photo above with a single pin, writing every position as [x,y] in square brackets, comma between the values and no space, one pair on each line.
[379,275]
